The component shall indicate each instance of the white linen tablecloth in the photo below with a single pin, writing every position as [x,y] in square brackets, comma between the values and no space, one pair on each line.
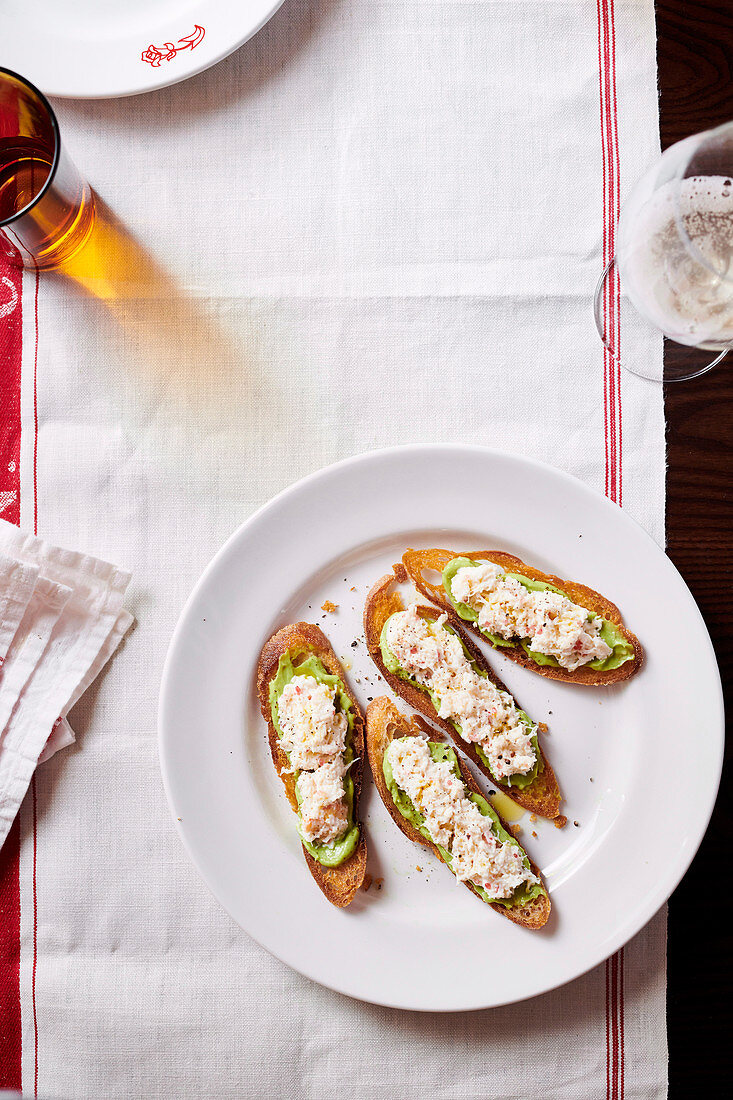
[378,222]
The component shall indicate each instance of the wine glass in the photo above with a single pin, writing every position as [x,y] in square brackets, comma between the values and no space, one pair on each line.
[674,259]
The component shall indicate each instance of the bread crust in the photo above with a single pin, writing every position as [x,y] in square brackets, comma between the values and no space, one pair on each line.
[415,561]
[384,722]
[541,797]
[339,884]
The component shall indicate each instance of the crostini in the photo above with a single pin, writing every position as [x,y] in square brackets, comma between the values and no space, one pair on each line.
[316,736]
[430,663]
[433,798]
[560,629]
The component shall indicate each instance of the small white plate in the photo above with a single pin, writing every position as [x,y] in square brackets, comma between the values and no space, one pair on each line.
[95,49]
[639,764]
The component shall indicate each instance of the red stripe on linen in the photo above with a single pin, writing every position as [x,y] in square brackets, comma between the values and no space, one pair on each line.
[11,334]
[614,1026]
[10,1020]
[608,219]
[35,407]
[613,218]
[608,1032]
[33,780]
[11,330]
[621,1020]
[35,939]
[613,435]
[611,290]
[605,234]
[616,283]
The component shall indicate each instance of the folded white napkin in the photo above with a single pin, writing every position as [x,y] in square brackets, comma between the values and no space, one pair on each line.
[16,589]
[61,619]
[62,733]
[33,634]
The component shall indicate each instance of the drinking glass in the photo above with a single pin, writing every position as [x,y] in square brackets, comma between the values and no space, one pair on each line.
[46,208]
[674,259]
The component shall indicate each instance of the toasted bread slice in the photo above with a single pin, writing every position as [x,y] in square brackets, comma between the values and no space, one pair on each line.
[384,722]
[339,884]
[542,796]
[417,562]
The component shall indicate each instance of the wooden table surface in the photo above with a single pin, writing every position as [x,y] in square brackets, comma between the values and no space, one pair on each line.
[695,55]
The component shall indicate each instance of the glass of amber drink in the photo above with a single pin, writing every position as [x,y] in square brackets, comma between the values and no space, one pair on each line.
[46,208]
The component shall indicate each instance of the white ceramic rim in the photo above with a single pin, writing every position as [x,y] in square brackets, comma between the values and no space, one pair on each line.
[94,64]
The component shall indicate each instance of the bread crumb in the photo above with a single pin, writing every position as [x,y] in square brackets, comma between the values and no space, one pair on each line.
[329,606]
[533,818]
[534,834]
[366,883]
[378,883]
[418,868]
[353,588]
[516,830]
[560,822]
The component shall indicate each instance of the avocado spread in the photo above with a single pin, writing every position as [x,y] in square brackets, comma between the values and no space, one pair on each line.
[406,807]
[304,663]
[518,780]
[622,650]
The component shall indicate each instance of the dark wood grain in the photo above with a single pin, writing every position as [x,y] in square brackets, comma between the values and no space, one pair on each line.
[695,55]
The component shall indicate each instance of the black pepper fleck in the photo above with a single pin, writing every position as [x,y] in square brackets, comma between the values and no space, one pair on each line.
[576,824]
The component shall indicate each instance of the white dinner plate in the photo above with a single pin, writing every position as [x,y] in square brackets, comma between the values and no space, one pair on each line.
[95,49]
[639,764]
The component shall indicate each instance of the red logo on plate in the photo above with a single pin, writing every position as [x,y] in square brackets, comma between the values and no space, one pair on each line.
[155,54]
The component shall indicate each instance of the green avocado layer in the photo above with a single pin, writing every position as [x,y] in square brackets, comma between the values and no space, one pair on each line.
[518,781]
[301,662]
[622,649]
[405,805]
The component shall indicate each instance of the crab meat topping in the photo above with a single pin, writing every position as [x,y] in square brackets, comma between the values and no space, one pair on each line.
[313,734]
[455,823]
[323,810]
[552,623]
[486,716]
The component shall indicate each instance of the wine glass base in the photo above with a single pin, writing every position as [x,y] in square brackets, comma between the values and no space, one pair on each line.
[617,320]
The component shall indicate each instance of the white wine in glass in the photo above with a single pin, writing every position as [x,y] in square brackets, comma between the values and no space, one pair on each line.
[675,254]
